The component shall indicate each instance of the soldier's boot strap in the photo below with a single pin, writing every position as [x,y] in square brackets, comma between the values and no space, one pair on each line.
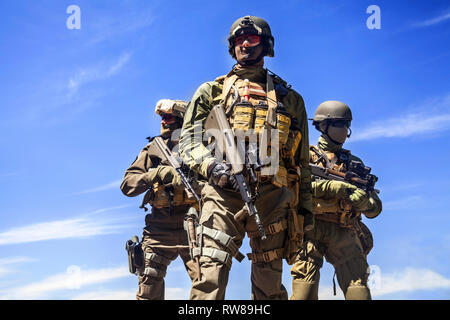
[358,293]
[270,229]
[302,290]
[156,272]
[223,239]
[213,253]
[266,256]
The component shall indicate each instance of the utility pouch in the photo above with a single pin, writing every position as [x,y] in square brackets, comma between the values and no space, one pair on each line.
[165,196]
[243,116]
[135,255]
[292,144]
[283,125]
[279,179]
[283,122]
[260,117]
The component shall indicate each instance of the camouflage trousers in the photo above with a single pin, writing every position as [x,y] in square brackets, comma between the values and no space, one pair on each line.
[341,247]
[219,212]
[162,243]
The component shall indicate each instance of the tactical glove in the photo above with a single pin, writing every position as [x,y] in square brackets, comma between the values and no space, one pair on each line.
[220,174]
[168,175]
[331,189]
[374,206]
[359,199]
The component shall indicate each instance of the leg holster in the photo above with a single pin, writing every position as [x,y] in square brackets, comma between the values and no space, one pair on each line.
[216,254]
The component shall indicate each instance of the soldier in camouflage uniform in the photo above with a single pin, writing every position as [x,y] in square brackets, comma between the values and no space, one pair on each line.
[164,238]
[338,235]
[285,196]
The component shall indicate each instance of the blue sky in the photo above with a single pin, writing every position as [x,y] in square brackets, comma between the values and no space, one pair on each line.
[76,106]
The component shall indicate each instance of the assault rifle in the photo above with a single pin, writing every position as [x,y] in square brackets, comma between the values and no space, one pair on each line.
[357,175]
[217,120]
[159,149]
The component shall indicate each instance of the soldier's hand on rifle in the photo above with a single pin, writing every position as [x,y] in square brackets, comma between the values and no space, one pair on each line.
[359,199]
[169,175]
[220,175]
[326,189]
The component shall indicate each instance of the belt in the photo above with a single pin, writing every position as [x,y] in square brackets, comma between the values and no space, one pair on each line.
[341,219]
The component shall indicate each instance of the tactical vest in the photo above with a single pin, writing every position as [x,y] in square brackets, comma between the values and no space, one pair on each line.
[257,110]
[163,196]
[166,196]
[336,210]
[340,207]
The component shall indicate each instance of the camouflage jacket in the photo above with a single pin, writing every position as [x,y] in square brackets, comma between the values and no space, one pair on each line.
[326,195]
[198,157]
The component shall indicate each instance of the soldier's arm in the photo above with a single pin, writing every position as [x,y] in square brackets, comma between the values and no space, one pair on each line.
[140,176]
[374,206]
[302,153]
[192,150]
[331,189]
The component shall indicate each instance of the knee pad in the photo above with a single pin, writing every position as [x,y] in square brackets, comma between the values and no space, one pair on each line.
[302,290]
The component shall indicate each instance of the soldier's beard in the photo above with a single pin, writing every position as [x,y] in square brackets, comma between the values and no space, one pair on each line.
[251,62]
[168,129]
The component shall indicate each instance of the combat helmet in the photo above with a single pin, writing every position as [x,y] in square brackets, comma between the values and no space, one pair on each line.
[252,25]
[176,108]
[332,110]
[333,118]
[172,113]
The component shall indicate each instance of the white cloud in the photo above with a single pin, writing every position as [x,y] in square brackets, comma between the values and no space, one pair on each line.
[403,203]
[403,127]
[64,282]
[432,117]
[6,262]
[112,185]
[74,282]
[433,21]
[80,227]
[96,73]
[409,280]
[403,281]
[112,27]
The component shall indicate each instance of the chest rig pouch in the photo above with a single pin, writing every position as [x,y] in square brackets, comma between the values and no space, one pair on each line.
[256,116]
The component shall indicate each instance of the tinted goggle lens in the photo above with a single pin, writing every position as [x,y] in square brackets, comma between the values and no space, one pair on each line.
[340,123]
[167,118]
[252,40]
